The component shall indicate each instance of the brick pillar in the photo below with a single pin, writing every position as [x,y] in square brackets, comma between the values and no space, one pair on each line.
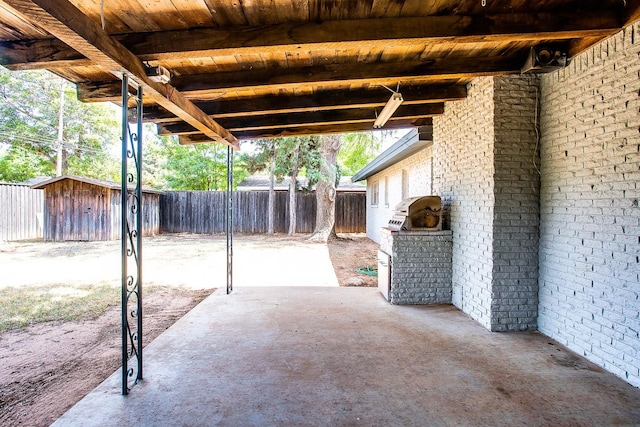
[516,210]
[484,153]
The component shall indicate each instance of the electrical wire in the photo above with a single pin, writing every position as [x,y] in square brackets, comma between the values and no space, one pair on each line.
[66,144]
[535,126]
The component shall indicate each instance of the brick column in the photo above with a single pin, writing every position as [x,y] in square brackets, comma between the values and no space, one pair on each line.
[485,148]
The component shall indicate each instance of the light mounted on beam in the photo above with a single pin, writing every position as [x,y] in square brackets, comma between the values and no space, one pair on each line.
[390,107]
[159,74]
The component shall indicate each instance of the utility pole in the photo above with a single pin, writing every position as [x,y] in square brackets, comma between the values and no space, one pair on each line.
[60,130]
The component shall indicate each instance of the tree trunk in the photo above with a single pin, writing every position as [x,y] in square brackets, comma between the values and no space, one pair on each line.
[60,130]
[292,193]
[65,161]
[326,190]
[272,193]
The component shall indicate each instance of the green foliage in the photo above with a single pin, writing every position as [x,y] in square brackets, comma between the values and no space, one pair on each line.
[29,110]
[291,154]
[19,165]
[240,171]
[154,157]
[299,154]
[199,167]
[260,158]
[357,150]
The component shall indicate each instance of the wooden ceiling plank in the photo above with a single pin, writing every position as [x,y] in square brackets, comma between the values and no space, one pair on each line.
[195,13]
[69,24]
[286,103]
[203,85]
[351,34]
[632,12]
[39,54]
[225,13]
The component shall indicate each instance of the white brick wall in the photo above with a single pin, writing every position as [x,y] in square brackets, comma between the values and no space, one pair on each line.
[484,148]
[418,172]
[463,176]
[590,219]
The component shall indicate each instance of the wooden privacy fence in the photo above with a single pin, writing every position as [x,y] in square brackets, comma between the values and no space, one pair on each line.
[20,212]
[203,212]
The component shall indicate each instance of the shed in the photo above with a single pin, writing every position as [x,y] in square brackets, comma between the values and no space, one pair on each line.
[86,209]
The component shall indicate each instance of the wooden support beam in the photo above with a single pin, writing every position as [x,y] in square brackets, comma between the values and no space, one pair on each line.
[66,22]
[211,85]
[632,12]
[284,104]
[203,86]
[343,35]
[313,130]
[294,120]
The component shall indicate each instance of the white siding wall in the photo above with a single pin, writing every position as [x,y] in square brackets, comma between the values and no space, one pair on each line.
[418,174]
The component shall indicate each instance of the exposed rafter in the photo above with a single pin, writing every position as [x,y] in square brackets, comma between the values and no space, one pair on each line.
[216,84]
[306,119]
[275,68]
[327,76]
[344,34]
[63,20]
[312,130]
[326,100]
[632,12]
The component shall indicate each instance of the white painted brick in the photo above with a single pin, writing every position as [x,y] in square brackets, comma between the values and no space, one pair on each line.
[590,145]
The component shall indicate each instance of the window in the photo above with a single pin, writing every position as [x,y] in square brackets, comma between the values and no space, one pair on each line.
[375,193]
[405,184]
[386,192]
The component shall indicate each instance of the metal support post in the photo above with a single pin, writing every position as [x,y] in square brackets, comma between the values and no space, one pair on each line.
[131,241]
[229,221]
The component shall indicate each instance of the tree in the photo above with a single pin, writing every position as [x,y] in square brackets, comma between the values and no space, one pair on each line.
[294,155]
[357,150]
[29,121]
[265,158]
[198,167]
[326,189]
[18,165]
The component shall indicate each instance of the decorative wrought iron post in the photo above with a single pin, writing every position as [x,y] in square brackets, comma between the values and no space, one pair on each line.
[229,221]
[131,243]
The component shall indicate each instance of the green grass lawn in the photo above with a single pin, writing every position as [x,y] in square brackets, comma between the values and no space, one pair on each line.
[21,307]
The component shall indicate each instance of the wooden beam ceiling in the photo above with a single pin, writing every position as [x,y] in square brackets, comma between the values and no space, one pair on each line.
[215,84]
[632,12]
[312,130]
[322,101]
[294,75]
[66,22]
[343,34]
[305,119]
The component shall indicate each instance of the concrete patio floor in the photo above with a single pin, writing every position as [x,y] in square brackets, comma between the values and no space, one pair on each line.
[344,356]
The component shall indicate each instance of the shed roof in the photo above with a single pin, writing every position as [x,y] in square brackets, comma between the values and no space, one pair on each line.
[99,182]
[250,69]
[406,146]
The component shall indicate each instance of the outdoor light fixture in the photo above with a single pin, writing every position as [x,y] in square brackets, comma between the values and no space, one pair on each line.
[391,106]
[159,74]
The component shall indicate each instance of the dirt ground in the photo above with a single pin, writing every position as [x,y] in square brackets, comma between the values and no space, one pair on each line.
[46,368]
